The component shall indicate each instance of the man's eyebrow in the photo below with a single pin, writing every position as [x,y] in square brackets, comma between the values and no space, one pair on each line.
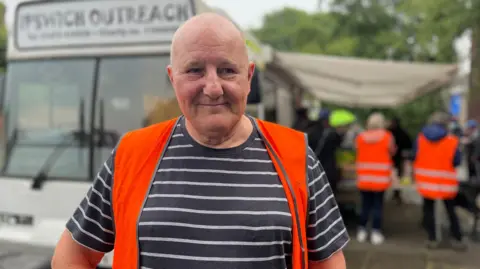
[193,63]
[229,62]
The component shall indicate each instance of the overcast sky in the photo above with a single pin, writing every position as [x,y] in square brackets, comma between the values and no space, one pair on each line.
[249,13]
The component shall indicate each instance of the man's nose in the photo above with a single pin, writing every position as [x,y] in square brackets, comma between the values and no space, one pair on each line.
[213,86]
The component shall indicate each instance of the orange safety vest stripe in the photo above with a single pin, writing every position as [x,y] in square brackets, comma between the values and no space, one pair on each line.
[435,175]
[374,163]
[136,160]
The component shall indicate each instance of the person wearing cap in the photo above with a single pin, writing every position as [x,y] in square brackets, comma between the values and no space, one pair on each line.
[324,115]
[332,137]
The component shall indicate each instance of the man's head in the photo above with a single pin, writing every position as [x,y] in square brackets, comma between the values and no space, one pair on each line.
[471,126]
[439,118]
[302,113]
[375,121]
[210,72]
[394,123]
[323,117]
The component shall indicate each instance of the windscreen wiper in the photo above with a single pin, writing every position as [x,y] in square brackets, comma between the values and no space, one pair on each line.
[68,141]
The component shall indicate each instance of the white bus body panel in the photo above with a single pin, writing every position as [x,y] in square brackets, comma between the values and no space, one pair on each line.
[25,38]
[49,207]
[57,200]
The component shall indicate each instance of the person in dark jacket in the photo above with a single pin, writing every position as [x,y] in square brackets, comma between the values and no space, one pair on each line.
[324,141]
[455,127]
[436,130]
[470,141]
[333,127]
[316,128]
[302,122]
[403,143]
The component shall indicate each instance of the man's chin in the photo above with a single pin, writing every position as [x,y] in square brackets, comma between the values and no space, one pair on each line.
[218,120]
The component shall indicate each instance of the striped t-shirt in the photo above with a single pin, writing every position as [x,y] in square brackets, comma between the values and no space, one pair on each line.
[215,208]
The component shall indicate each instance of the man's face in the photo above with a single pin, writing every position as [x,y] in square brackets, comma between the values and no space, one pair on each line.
[211,76]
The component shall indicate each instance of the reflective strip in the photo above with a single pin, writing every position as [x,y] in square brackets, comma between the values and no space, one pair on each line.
[157,166]
[373,166]
[435,173]
[437,187]
[273,154]
[374,179]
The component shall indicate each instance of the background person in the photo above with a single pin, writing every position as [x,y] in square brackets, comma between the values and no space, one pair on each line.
[436,153]
[403,143]
[375,148]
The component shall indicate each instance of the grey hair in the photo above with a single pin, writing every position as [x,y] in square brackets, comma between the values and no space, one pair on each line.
[439,117]
[375,121]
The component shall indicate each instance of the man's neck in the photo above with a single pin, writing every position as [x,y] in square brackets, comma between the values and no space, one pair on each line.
[232,138]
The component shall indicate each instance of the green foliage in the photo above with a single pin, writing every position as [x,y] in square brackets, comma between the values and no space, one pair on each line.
[411,30]
[3,39]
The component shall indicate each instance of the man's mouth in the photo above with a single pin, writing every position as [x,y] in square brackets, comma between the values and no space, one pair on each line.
[214,105]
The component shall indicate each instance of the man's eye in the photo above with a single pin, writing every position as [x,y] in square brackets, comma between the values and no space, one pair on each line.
[195,70]
[226,71]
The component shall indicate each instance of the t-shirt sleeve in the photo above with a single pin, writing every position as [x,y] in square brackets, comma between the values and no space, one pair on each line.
[326,232]
[92,222]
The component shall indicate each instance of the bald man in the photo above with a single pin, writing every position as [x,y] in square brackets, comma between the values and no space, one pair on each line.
[227,191]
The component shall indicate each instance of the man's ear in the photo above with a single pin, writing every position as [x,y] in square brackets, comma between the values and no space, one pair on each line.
[170,73]
[251,70]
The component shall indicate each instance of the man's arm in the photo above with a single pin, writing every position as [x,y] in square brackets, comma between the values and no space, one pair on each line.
[336,261]
[89,233]
[326,232]
[393,146]
[69,254]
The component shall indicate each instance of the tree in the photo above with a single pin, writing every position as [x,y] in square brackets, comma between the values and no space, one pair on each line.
[474,93]
[295,30]
[3,38]
[380,29]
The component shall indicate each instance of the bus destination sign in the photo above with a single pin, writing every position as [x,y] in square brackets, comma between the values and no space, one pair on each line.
[99,23]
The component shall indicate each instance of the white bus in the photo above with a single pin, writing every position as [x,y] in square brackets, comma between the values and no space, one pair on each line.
[79,75]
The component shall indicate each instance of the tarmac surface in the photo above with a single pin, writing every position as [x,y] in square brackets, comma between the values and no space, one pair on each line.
[404,246]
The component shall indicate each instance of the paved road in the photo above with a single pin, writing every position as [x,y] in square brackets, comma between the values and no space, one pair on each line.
[402,250]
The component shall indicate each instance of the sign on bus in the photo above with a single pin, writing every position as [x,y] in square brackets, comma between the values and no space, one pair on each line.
[98,23]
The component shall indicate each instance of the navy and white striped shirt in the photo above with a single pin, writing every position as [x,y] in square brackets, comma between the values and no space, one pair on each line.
[215,208]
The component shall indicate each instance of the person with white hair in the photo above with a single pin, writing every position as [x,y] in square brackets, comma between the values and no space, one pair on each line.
[375,148]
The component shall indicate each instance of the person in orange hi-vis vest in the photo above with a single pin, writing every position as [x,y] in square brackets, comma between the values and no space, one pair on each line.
[213,188]
[375,148]
[435,155]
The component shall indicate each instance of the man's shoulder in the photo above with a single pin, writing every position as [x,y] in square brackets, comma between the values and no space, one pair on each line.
[147,137]
[155,129]
[275,127]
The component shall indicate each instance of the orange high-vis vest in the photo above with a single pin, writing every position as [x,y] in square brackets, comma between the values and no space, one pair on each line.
[435,175]
[374,162]
[139,154]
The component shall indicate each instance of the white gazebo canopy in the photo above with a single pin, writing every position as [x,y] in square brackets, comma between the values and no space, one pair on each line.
[355,82]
